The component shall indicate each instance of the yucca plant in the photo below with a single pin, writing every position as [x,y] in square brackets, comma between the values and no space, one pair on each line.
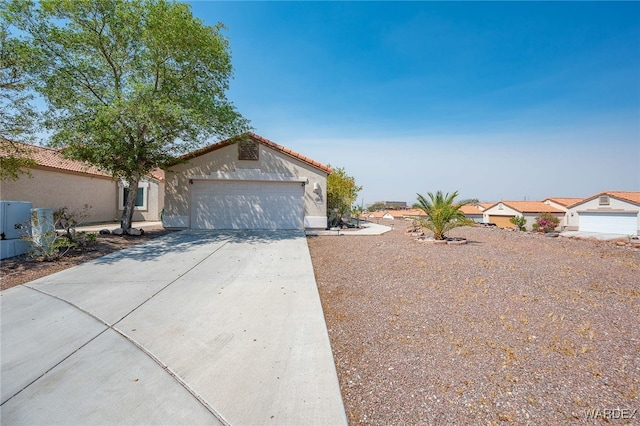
[443,213]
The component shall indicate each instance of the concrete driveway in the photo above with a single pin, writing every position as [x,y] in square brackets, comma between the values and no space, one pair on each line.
[190,328]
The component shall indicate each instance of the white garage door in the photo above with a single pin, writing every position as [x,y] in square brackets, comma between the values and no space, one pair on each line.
[609,223]
[247,205]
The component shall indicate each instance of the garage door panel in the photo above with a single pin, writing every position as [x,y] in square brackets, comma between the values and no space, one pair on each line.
[247,205]
[502,221]
[609,223]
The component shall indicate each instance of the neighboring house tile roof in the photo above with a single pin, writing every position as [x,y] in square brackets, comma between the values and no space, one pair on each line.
[470,209]
[397,213]
[630,196]
[413,213]
[53,158]
[377,215]
[262,140]
[565,201]
[529,206]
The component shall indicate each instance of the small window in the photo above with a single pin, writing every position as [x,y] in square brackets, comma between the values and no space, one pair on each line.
[248,150]
[139,196]
[500,206]
[604,200]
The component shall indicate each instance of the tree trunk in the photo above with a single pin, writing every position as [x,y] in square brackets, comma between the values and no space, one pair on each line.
[130,203]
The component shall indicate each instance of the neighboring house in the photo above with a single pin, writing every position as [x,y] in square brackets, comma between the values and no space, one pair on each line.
[611,212]
[247,182]
[413,214]
[562,203]
[394,214]
[406,214]
[501,212]
[55,182]
[473,212]
[373,215]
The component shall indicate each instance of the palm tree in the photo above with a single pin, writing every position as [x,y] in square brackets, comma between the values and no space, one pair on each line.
[443,214]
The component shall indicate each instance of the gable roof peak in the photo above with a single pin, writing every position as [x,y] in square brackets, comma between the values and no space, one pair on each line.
[289,152]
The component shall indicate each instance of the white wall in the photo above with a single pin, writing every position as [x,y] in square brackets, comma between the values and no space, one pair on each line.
[593,205]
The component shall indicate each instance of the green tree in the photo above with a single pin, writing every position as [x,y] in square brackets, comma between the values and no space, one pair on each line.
[376,206]
[17,117]
[129,85]
[519,222]
[342,192]
[356,211]
[443,213]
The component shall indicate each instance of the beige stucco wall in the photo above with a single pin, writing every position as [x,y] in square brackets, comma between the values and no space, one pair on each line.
[508,211]
[615,205]
[496,211]
[154,202]
[225,160]
[564,218]
[57,189]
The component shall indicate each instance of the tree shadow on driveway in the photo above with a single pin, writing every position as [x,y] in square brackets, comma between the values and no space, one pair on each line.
[194,240]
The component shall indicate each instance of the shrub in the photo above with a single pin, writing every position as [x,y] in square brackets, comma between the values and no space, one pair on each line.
[49,245]
[546,222]
[519,222]
[69,220]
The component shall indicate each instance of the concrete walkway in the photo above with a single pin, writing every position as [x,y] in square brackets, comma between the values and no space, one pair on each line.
[596,235]
[366,228]
[190,328]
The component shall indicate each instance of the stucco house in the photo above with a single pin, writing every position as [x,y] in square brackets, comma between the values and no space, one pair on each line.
[501,212]
[611,212]
[246,182]
[473,212]
[56,182]
[562,203]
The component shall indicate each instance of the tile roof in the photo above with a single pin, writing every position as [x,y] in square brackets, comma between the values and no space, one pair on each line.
[470,209]
[413,213]
[631,196]
[530,206]
[565,201]
[53,158]
[377,214]
[262,140]
[397,213]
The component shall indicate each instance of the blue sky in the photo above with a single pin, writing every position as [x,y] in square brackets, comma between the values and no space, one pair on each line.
[499,100]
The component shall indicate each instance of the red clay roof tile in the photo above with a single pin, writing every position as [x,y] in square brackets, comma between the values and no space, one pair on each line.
[53,158]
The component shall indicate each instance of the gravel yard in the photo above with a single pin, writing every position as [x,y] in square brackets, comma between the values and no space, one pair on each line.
[511,327]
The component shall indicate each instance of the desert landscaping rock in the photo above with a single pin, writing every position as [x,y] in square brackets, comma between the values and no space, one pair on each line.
[135,232]
[118,231]
[513,328]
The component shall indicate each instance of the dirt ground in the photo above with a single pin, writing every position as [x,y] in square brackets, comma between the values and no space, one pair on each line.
[510,328]
[22,269]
